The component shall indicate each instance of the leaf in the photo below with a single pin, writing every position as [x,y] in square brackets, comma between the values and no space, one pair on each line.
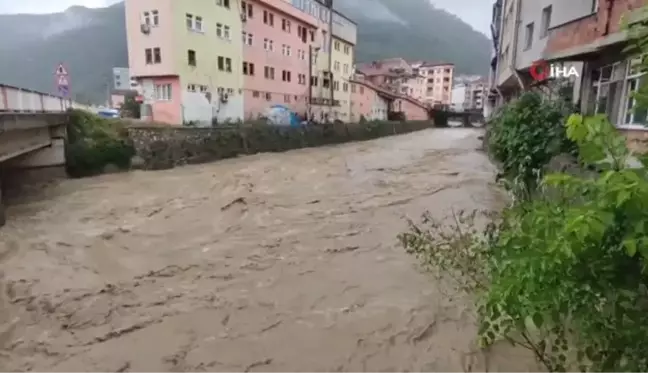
[630,246]
[538,320]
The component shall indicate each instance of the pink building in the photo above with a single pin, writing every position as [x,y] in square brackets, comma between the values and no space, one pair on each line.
[277,38]
[373,102]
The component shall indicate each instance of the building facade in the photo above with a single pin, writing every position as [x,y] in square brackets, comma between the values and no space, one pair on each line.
[225,60]
[438,81]
[588,34]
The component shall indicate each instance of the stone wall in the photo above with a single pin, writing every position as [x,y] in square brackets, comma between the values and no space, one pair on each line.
[167,147]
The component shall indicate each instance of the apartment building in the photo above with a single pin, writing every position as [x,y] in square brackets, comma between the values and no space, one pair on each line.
[187,57]
[468,93]
[374,102]
[587,32]
[438,81]
[227,60]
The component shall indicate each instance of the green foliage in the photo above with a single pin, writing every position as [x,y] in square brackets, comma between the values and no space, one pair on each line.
[130,108]
[525,135]
[562,274]
[637,32]
[94,143]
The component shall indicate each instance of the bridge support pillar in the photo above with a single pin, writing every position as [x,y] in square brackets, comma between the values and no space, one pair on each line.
[3,215]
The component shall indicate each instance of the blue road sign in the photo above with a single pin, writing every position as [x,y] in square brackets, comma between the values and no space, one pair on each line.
[64,90]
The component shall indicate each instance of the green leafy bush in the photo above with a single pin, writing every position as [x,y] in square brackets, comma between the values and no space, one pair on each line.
[563,274]
[94,143]
[525,135]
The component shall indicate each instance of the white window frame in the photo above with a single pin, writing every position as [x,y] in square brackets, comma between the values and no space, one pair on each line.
[268,45]
[162,92]
[626,98]
[227,32]
[198,24]
[155,16]
[597,85]
[146,18]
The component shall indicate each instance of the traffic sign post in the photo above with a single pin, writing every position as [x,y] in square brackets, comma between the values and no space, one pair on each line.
[62,81]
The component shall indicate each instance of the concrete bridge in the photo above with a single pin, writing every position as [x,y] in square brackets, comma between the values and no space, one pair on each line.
[32,132]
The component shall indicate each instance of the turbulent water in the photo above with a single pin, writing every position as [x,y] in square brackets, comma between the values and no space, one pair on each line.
[272,262]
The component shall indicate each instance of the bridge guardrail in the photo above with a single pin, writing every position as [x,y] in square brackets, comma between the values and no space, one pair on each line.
[20,100]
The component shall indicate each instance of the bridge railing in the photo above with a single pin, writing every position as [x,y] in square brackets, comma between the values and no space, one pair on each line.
[20,100]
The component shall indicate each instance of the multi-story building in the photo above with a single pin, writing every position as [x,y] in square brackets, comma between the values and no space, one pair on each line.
[468,93]
[396,75]
[438,81]
[230,60]
[187,57]
[374,102]
[585,33]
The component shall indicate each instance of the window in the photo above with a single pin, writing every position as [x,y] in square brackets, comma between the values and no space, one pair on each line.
[301,79]
[607,85]
[314,81]
[345,87]
[248,68]
[203,88]
[156,17]
[255,94]
[634,115]
[528,36]
[546,21]
[250,11]
[285,50]
[346,68]
[336,85]
[148,56]
[268,45]
[157,55]
[223,31]
[285,25]
[285,75]
[247,38]
[353,88]
[337,45]
[225,64]
[269,72]
[286,98]
[336,65]
[151,18]
[191,87]
[194,23]
[162,92]
[268,18]
[347,49]
[268,96]
[223,3]
[152,56]
[191,57]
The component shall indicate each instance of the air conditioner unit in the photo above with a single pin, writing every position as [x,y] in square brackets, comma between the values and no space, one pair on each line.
[243,17]
[146,29]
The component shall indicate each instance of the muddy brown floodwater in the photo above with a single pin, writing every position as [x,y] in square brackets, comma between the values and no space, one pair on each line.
[272,262]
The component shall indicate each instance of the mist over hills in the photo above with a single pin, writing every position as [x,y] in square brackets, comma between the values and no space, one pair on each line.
[93,41]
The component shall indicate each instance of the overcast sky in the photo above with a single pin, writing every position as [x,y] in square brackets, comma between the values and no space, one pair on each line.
[474,12]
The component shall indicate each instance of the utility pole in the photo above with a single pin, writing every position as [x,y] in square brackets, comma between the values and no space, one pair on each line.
[311,51]
[330,56]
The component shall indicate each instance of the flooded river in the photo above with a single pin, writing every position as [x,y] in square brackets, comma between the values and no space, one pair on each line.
[272,262]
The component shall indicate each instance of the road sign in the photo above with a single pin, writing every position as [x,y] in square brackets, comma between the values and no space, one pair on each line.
[61,70]
[63,80]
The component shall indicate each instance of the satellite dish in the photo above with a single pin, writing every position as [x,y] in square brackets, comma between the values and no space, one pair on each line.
[146,29]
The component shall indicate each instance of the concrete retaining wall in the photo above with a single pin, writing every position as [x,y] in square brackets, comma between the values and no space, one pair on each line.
[166,147]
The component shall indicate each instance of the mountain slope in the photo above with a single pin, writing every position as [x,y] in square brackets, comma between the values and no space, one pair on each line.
[93,41]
